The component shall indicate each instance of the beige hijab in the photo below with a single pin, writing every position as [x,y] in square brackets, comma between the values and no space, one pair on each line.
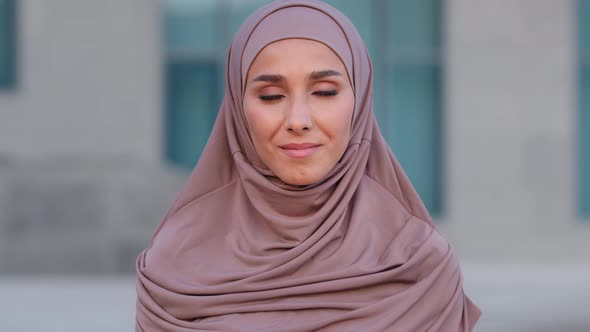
[239,250]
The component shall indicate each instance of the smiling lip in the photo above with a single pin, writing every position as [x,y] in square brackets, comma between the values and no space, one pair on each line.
[299,150]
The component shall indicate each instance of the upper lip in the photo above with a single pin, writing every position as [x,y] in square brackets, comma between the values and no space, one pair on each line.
[300,146]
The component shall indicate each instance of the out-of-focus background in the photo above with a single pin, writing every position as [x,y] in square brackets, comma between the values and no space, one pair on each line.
[105,107]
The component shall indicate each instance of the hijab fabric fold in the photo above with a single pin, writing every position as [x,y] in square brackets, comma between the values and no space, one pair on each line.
[239,250]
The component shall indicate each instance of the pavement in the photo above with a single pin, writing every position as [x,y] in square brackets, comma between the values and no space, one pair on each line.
[514,298]
[520,298]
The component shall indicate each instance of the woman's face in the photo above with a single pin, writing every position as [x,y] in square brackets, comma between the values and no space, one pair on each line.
[299,105]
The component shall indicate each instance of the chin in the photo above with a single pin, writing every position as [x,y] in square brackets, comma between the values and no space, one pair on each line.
[300,180]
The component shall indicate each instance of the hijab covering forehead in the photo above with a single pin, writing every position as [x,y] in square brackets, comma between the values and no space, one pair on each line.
[238,250]
[286,23]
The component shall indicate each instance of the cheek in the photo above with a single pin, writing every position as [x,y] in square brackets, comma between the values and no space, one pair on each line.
[340,121]
[261,123]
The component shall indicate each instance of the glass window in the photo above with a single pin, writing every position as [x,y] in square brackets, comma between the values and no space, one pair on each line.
[412,88]
[193,36]
[190,26]
[7,43]
[584,104]
[192,102]
[404,40]
[413,127]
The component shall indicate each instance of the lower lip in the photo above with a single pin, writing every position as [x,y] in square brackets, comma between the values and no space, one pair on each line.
[302,153]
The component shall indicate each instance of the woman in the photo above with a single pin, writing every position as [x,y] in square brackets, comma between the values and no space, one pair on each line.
[298,217]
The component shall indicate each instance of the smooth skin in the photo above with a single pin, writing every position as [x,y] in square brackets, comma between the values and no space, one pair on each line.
[299,105]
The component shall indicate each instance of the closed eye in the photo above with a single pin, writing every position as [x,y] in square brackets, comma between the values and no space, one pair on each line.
[270,97]
[326,93]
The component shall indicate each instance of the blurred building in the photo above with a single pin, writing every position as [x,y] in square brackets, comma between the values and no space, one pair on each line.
[106,105]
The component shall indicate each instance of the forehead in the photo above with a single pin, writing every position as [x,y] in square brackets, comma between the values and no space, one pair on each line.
[296,55]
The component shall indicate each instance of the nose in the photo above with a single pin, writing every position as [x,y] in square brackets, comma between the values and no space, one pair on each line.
[298,119]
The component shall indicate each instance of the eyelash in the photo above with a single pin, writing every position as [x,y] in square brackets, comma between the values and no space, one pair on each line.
[270,97]
[330,93]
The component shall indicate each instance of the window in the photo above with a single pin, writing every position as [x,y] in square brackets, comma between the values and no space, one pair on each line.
[192,66]
[196,35]
[404,39]
[7,43]
[414,85]
[584,104]
[192,94]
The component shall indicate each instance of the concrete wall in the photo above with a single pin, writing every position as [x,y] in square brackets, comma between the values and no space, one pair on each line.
[88,81]
[511,130]
[80,216]
[82,181]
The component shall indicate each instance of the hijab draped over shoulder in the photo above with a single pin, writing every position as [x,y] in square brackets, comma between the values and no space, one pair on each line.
[240,250]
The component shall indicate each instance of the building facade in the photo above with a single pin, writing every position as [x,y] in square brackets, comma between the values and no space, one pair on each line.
[106,105]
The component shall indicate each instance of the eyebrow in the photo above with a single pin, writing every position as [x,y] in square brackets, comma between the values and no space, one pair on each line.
[270,78]
[318,75]
[315,75]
